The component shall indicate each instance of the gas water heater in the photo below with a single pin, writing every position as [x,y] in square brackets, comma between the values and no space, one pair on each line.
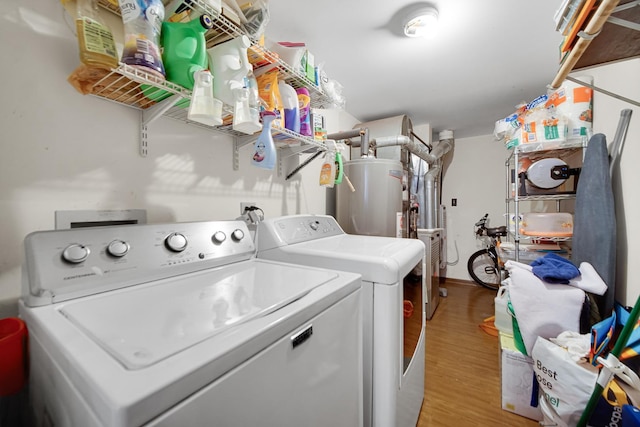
[379,206]
[384,202]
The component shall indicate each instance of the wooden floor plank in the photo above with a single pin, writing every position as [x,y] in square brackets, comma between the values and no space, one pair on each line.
[462,378]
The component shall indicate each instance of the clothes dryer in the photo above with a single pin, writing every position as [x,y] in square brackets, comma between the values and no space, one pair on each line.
[393,291]
[180,325]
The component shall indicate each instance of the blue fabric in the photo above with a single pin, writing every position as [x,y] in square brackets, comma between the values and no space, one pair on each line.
[552,268]
[594,223]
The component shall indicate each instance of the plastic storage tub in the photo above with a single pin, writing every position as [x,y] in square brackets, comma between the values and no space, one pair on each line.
[558,224]
[13,355]
[503,318]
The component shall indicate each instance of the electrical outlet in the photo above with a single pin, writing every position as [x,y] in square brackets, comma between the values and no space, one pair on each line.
[245,205]
[454,202]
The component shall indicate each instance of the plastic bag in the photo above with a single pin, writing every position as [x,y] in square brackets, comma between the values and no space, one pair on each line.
[565,386]
[257,16]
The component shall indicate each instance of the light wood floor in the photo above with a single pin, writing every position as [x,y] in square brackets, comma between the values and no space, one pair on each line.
[462,380]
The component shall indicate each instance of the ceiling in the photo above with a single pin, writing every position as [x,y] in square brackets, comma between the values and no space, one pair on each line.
[487,57]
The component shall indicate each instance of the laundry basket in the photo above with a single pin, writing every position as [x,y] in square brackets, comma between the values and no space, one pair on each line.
[13,355]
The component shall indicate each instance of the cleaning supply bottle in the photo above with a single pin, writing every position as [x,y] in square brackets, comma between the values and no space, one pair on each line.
[304,101]
[142,21]
[204,108]
[184,49]
[246,116]
[291,106]
[229,65]
[95,40]
[264,155]
[328,168]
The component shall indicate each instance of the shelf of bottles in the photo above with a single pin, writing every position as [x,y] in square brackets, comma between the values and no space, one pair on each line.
[136,88]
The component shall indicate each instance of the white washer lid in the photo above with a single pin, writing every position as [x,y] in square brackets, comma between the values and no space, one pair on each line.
[384,260]
[142,326]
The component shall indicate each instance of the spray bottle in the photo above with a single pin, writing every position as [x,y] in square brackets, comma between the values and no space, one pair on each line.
[264,153]
[328,169]
[246,112]
[229,65]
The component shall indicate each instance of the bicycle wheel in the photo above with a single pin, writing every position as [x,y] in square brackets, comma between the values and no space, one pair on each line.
[483,270]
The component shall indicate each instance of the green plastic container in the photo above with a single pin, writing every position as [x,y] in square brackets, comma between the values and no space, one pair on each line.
[185,49]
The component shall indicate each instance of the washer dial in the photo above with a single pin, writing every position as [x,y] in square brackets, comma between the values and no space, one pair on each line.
[118,248]
[75,253]
[237,235]
[218,237]
[176,242]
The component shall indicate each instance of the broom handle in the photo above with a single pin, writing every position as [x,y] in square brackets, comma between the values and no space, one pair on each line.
[621,342]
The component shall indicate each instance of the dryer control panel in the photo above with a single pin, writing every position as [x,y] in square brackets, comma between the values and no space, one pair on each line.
[66,264]
[292,229]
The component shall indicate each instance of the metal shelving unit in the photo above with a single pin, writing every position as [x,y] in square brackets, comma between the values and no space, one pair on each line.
[156,97]
[534,153]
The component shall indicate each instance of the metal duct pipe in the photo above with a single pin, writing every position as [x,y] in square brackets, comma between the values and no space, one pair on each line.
[363,133]
[432,196]
[433,179]
[415,148]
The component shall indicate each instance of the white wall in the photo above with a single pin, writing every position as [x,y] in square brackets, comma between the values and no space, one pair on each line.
[65,151]
[622,78]
[475,175]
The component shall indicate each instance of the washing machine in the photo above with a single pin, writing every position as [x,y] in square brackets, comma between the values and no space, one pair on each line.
[181,325]
[393,292]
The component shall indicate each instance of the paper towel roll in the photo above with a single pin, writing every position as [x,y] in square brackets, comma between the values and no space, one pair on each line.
[575,102]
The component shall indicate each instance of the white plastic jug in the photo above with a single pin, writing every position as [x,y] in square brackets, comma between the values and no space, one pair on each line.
[229,65]
[503,320]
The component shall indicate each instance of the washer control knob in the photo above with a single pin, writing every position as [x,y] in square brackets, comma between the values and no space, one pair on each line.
[75,253]
[218,237]
[314,225]
[118,248]
[237,235]
[176,242]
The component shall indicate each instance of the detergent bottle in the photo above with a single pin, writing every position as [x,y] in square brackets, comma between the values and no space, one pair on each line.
[185,49]
[229,65]
[142,21]
[264,154]
[304,100]
[291,106]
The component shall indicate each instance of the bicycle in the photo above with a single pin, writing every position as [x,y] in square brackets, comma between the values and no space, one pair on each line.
[485,266]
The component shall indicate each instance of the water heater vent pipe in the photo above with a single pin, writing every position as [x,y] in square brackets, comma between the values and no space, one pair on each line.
[445,145]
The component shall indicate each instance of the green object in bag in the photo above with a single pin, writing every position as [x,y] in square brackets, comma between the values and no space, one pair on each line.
[517,335]
[339,168]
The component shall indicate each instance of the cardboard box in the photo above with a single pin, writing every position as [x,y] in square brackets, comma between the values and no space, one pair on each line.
[516,380]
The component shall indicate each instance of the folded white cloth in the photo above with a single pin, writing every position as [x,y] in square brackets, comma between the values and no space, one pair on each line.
[589,280]
[542,309]
[578,346]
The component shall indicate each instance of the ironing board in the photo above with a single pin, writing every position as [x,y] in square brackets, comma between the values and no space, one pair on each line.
[594,226]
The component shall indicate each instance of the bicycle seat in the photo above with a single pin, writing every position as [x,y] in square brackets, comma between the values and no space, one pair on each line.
[497,231]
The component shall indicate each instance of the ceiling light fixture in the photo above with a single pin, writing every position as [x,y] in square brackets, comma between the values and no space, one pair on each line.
[421,22]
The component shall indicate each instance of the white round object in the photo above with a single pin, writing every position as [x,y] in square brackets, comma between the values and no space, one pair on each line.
[539,173]
[75,253]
